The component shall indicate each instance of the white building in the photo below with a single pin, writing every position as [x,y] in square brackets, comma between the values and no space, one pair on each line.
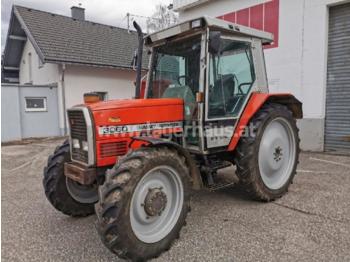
[48,57]
[309,58]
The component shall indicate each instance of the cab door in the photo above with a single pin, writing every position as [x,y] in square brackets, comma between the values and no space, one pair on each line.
[231,78]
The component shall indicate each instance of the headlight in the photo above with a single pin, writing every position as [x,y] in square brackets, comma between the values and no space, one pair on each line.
[85,146]
[76,143]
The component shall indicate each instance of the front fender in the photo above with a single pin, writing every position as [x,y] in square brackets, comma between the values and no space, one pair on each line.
[158,142]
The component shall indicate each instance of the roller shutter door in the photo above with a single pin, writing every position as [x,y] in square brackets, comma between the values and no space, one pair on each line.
[337,127]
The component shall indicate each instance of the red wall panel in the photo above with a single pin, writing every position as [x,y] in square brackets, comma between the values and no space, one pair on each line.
[231,17]
[271,20]
[257,17]
[243,17]
[263,17]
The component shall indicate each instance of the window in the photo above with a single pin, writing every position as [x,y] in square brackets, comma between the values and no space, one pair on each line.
[175,72]
[35,104]
[231,76]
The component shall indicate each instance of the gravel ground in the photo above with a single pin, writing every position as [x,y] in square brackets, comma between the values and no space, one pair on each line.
[310,223]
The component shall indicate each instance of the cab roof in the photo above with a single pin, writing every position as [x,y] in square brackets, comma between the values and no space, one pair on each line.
[213,23]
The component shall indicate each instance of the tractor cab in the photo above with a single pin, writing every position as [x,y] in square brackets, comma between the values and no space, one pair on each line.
[214,66]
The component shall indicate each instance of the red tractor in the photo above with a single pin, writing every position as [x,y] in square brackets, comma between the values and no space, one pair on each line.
[205,106]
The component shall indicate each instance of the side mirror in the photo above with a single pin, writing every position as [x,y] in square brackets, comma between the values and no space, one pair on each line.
[214,42]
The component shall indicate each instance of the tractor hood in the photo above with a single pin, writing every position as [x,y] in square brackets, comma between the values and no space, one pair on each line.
[133,103]
[117,117]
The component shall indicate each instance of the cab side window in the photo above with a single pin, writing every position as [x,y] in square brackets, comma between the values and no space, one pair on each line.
[231,76]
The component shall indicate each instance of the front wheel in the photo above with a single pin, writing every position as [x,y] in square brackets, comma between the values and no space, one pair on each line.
[64,194]
[266,162]
[143,203]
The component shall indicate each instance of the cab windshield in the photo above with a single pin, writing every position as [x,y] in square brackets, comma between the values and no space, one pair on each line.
[175,71]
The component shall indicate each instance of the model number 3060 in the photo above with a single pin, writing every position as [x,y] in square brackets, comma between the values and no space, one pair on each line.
[108,130]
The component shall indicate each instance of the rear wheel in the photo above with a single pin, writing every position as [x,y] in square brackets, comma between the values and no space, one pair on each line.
[143,203]
[66,195]
[266,162]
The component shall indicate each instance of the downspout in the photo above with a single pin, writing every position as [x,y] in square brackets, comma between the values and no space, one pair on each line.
[62,101]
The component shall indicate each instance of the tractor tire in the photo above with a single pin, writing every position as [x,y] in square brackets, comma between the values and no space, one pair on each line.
[55,185]
[134,218]
[266,162]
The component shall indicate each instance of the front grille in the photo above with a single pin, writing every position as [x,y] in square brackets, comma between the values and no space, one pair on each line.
[114,149]
[77,125]
[78,130]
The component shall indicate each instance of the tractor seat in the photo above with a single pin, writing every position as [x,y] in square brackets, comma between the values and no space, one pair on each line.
[222,93]
[185,93]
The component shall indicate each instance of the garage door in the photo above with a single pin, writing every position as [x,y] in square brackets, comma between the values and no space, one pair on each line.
[337,129]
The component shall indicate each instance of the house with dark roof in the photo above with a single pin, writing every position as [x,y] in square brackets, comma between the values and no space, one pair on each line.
[69,55]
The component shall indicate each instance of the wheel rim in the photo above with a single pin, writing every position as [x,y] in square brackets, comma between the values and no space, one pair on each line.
[162,187]
[81,193]
[277,153]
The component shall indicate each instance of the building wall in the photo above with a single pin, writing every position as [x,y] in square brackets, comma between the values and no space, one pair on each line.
[216,8]
[299,63]
[80,79]
[39,124]
[73,81]
[10,113]
[17,123]
[33,72]
[182,4]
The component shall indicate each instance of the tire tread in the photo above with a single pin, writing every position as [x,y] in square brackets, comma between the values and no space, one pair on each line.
[55,190]
[246,154]
[109,210]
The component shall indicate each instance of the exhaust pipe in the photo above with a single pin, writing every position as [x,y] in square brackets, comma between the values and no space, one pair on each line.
[139,60]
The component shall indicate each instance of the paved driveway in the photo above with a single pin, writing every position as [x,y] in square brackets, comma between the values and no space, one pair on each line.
[310,223]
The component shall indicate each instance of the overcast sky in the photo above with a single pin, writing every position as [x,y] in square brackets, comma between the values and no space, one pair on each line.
[111,12]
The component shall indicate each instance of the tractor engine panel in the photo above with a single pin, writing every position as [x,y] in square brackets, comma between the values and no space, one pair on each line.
[116,122]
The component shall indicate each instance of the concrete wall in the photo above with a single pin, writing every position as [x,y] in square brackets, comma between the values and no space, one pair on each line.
[81,79]
[299,64]
[10,113]
[17,123]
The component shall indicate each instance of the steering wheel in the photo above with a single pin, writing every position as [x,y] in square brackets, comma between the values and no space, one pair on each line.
[185,77]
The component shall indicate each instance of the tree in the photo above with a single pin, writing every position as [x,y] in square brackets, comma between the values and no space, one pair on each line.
[161,18]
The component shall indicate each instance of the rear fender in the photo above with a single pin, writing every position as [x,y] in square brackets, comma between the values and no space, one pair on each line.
[190,162]
[256,101]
